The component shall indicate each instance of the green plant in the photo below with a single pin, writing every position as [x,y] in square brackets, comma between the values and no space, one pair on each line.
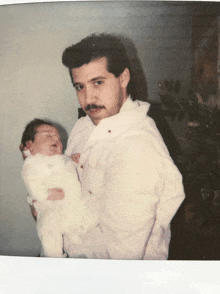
[205,115]
[199,160]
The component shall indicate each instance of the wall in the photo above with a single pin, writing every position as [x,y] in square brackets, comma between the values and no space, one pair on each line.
[34,83]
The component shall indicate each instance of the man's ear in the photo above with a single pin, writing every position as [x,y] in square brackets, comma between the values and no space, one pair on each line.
[125,78]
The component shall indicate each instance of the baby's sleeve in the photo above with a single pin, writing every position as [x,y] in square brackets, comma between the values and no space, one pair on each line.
[34,182]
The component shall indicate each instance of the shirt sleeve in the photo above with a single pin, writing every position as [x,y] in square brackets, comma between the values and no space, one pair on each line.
[132,193]
[135,199]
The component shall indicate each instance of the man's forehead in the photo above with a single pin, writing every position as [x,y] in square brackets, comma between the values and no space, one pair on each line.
[91,70]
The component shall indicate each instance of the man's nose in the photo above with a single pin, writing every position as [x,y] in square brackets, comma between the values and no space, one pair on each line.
[90,96]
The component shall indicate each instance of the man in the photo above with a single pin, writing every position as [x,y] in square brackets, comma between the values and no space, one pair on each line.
[125,170]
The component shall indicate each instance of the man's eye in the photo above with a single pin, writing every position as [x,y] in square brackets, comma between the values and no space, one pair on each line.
[78,87]
[98,82]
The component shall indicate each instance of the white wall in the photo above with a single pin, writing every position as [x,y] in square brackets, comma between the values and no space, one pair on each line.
[34,83]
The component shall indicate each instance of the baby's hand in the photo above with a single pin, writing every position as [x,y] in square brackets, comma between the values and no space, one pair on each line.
[75,157]
[55,194]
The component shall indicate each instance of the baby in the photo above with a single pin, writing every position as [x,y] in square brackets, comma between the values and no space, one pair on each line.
[46,169]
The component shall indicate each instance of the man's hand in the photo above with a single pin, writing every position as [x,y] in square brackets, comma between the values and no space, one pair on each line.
[33,211]
[55,194]
[75,157]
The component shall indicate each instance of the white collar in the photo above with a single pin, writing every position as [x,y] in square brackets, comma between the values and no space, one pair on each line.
[128,104]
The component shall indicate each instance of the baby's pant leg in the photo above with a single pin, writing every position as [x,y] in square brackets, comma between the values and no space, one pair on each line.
[52,242]
[73,238]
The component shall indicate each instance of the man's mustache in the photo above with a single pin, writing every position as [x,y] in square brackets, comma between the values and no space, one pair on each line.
[93,106]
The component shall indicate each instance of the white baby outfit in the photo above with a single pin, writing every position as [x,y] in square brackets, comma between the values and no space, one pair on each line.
[58,222]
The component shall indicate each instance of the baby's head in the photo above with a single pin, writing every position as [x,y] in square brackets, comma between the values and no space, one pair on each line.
[41,137]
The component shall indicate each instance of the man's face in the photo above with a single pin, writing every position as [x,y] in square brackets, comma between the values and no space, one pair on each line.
[47,141]
[100,93]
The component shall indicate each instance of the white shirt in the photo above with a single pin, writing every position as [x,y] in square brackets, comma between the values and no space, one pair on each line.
[131,184]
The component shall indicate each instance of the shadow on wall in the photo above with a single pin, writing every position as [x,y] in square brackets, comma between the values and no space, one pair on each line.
[138,79]
[139,92]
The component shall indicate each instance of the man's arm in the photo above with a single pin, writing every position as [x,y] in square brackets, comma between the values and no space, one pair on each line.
[33,212]
[133,186]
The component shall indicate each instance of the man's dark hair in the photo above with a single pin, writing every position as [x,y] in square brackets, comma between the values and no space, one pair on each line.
[98,46]
[31,130]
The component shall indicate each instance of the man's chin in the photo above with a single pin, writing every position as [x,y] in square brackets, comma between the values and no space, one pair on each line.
[95,120]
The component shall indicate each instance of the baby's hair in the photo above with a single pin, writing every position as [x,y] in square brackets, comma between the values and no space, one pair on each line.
[31,130]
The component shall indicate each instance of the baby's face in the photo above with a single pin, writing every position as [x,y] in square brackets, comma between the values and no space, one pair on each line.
[47,141]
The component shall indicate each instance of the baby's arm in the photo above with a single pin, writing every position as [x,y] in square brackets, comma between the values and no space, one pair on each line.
[34,183]
[53,194]
[58,193]
[40,180]
[31,175]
